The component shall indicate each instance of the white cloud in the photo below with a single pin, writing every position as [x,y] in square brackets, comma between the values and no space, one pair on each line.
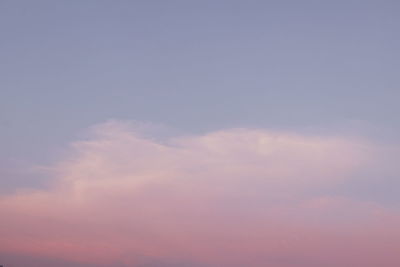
[244,196]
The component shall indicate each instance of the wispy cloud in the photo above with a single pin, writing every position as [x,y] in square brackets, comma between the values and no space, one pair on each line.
[238,197]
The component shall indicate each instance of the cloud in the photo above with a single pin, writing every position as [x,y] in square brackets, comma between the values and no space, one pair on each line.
[237,197]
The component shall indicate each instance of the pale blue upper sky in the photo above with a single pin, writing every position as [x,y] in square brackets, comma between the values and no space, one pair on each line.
[194,66]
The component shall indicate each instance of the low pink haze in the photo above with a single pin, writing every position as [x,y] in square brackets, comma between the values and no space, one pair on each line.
[235,197]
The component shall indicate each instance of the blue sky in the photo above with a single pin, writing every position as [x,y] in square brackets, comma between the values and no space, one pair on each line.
[328,68]
[195,66]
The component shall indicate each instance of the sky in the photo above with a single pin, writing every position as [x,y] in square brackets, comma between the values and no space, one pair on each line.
[199,133]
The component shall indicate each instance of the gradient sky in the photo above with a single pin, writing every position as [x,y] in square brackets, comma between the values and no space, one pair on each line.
[282,113]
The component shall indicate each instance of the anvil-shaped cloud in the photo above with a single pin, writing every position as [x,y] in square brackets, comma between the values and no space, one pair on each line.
[239,197]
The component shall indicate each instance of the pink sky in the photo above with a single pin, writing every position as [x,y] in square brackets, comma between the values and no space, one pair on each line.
[199,133]
[236,197]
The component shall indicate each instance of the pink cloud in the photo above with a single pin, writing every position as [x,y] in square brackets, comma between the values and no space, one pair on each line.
[240,197]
